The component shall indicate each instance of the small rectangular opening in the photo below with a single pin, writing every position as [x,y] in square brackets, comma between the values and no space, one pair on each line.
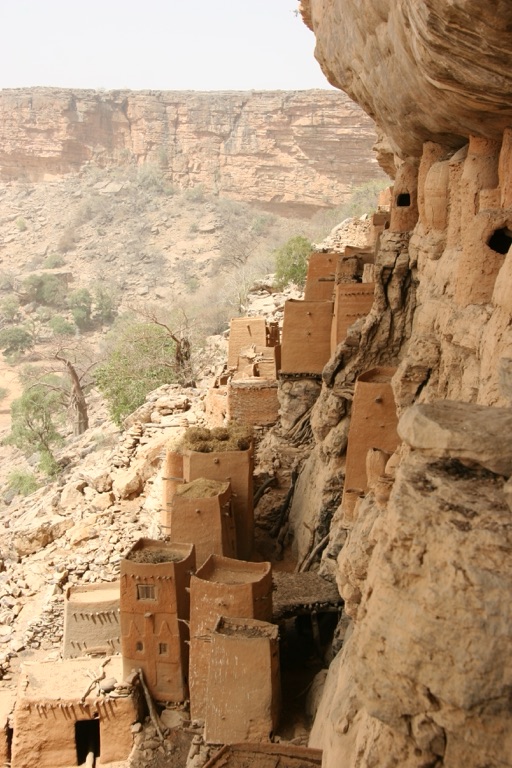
[145,592]
[403,200]
[162,649]
[87,740]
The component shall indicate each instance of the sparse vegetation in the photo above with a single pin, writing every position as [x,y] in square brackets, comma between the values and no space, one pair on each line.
[15,340]
[235,437]
[34,419]
[141,357]
[46,289]
[22,482]
[80,303]
[21,224]
[292,262]
[62,327]
[54,261]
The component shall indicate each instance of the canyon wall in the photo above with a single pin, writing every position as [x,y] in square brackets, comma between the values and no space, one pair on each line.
[423,560]
[294,152]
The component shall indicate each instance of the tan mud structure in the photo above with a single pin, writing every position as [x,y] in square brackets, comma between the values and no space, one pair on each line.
[373,424]
[154,615]
[222,587]
[57,723]
[243,690]
[91,620]
[201,514]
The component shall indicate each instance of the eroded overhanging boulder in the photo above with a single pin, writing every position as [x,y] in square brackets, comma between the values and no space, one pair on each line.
[422,69]
[424,678]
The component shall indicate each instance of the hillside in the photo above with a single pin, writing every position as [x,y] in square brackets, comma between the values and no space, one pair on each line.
[290,152]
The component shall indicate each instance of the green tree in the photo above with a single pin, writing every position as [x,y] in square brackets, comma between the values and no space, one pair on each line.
[142,357]
[106,303]
[292,262]
[34,419]
[80,302]
[9,309]
[62,327]
[46,289]
[14,340]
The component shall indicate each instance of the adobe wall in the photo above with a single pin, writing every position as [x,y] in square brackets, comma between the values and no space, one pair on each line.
[320,277]
[306,345]
[216,405]
[259,361]
[154,612]
[91,620]
[253,402]
[236,467]
[243,332]
[172,478]
[206,522]
[222,587]
[243,690]
[372,425]
[49,705]
[351,301]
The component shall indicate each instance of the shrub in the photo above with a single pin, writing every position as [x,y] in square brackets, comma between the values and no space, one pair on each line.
[67,241]
[141,359]
[80,302]
[292,262]
[14,340]
[105,304]
[62,327]
[53,261]
[21,224]
[48,290]
[22,482]
[9,308]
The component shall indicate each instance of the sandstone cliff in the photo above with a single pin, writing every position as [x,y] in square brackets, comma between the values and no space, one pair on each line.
[424,675]
[293,151]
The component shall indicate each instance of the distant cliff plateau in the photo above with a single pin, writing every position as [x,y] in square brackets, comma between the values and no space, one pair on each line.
[289,152]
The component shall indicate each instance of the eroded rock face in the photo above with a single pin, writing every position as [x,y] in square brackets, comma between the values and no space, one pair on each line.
[424,570]
[423,70]
[294,151]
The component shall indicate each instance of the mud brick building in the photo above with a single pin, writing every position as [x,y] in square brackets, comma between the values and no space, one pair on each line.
[243,689]
[201,514]
[373,424]
[235,467]
[91,620]
[306,344]
[321,276]
[154,615]
[222,587]
[57,724]
[248,332]
[351,301]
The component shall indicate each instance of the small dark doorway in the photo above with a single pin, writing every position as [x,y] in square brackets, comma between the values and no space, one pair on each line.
[500,240]
[87,739]
[403,200]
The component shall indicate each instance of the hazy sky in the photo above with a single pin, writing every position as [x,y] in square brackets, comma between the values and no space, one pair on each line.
[157,44]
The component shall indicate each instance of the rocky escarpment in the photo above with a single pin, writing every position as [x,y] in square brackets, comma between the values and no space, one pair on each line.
[292,151]
[424,71]
[424,675]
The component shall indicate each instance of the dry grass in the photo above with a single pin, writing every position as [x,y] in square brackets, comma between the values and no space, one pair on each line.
[236,437]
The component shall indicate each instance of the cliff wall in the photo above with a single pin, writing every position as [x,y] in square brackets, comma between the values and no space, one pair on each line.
[293,151]
[423,560]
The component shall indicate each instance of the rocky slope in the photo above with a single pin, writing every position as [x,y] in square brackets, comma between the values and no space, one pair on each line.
[293,152]
[424,676]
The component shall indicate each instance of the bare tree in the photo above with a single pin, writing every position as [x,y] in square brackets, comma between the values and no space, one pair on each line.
[74,361]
